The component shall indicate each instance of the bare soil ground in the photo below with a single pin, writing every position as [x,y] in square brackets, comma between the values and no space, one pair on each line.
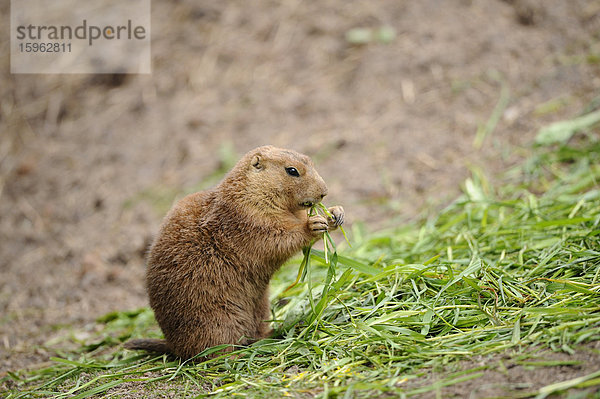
[89,163]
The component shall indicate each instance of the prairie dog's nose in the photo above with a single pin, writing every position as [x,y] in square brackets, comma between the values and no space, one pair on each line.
[320,186]
[324,191]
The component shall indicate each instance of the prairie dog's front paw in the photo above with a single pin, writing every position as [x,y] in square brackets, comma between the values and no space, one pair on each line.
[337,217]
[317,224]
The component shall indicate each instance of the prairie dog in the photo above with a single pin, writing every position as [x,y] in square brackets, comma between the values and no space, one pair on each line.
[210,265]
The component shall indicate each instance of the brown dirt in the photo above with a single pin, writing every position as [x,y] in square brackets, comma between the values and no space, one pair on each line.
[84,159]
[517,374]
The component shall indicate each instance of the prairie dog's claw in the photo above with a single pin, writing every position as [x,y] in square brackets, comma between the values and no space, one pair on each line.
[317,224]
[337,218]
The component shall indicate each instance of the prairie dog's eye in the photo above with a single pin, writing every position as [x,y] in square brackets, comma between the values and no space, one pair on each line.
[292,171]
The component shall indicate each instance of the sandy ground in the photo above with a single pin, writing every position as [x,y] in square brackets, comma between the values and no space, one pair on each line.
[90,163]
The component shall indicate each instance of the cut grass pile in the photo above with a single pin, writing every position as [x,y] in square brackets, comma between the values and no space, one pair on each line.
[499,270]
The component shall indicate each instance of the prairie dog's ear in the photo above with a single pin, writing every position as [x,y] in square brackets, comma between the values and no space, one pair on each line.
[257,162]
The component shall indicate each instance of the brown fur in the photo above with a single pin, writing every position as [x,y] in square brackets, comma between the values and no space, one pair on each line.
[209,267]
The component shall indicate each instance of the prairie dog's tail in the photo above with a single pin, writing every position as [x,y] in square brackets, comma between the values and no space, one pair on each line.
[150,345]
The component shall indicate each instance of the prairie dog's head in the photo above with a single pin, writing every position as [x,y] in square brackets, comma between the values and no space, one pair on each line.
[283,179]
